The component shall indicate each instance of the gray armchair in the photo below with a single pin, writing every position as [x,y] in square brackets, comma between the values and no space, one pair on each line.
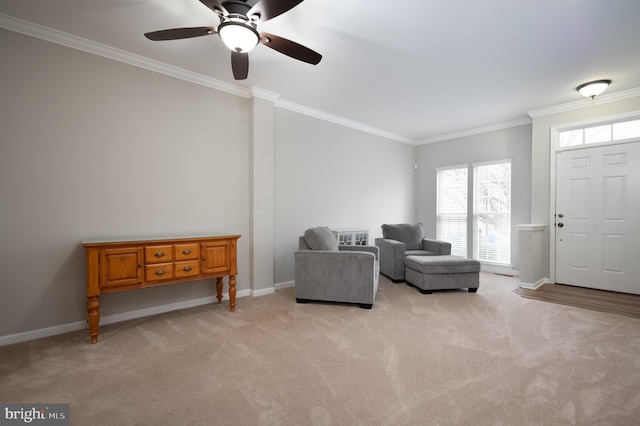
[327,272]
[401,240]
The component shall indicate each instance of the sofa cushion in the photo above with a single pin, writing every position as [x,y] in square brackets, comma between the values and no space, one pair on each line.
[410,235]
[321,238]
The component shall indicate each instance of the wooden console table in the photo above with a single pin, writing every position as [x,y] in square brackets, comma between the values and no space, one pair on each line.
[127,265]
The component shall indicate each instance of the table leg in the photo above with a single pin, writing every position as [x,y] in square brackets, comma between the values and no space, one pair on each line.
[219,288]
[232,293]
[93,317]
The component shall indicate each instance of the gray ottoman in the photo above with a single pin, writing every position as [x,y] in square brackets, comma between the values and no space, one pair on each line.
[441,272]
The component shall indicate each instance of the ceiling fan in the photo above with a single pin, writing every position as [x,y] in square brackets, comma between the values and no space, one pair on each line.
[238,30]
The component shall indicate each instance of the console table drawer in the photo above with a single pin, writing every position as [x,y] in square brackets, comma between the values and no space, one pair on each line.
[158,272]
[158,254]
[187,269]
[187,252]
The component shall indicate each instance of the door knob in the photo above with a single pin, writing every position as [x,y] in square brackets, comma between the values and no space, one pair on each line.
[560,215]
[560,225]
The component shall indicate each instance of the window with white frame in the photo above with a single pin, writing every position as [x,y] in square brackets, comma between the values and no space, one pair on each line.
[600,133]
[486,217]
[492,212]
[451,219]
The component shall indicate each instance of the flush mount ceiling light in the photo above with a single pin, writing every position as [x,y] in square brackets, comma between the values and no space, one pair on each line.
[238,35]
[593,88]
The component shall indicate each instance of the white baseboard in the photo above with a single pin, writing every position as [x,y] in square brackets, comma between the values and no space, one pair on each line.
[273,289]
[535,285]
[499,269]
[263,292]
[110,319]
[285,284]
[43,332]
[125,316]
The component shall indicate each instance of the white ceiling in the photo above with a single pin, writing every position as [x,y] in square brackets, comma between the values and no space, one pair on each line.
[416,69]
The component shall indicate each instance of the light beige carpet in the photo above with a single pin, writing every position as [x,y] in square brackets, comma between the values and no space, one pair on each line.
[448,358]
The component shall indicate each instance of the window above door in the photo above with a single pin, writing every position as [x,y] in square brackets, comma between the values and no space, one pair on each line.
[620,131]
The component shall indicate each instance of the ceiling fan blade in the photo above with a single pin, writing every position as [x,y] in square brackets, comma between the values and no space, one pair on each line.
[268,9]
[290,48]
[215,5]
[240,65]
[178,33]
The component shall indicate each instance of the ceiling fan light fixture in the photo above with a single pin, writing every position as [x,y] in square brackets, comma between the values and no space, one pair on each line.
[593,88]
[238,36]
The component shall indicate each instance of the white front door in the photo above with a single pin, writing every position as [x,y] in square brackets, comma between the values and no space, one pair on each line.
[598,217]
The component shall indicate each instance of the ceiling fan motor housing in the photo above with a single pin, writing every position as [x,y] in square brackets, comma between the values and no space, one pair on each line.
[236,7]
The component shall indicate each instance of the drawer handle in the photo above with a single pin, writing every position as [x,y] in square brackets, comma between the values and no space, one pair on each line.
[186,268]
[160,272]
[139,265]
[159,254]
[186,251]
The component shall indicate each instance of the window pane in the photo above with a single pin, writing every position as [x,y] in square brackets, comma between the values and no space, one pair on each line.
[451,221]
[453,229]
[492,212]
[452,191]
[571,138]
[492,233]
[626,130]
[597,134]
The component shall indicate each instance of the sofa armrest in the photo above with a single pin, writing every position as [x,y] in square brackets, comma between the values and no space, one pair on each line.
[371,249]
[388,244]
[391,258]
[436,246]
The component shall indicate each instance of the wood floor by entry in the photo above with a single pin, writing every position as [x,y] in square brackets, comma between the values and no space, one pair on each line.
[587,298]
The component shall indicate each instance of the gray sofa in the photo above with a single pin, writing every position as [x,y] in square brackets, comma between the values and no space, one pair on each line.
[401,240]
[327,272]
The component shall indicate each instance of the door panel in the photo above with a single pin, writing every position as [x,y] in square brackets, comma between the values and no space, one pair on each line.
[597,211]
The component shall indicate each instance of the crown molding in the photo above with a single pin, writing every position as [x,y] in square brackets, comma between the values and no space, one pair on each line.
[584,103]
[256,92]
[89,46]
[476,131]
[342,121]
[78,43]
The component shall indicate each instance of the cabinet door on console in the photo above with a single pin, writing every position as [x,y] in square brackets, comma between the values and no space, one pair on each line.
[216,257]
[121,267]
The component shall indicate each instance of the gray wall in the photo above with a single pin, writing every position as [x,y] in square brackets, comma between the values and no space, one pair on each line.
[93,148]
[514,143]
[330,175]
